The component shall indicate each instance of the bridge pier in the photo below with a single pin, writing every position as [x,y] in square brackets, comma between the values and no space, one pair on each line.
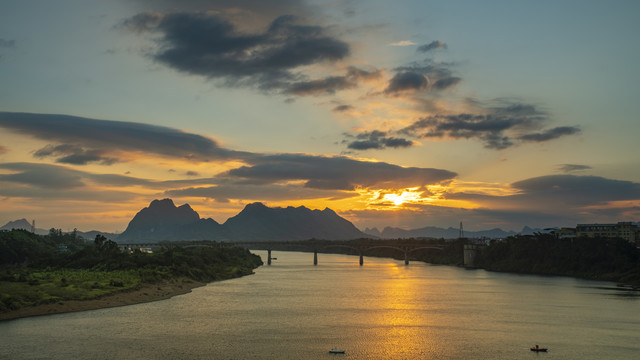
[315,257]
[406,257]
[361,259]
[268,256]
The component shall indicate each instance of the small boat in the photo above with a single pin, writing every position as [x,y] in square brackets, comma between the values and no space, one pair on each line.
[538,349]
[335,350]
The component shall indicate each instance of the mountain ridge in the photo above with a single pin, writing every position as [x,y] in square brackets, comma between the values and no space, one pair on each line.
[162,220]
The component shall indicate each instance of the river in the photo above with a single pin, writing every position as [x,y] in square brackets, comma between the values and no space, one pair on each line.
[382,310]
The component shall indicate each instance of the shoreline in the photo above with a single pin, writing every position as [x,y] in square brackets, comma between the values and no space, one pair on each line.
[146,293]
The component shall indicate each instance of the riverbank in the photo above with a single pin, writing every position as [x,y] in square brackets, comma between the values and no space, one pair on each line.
[145,293]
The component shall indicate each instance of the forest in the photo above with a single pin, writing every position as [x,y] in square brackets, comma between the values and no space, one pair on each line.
[40,269]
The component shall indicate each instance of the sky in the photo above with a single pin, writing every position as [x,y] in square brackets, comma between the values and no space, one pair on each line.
[406,114]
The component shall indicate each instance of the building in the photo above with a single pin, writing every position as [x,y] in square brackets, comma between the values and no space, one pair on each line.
[624,230]
[565,233]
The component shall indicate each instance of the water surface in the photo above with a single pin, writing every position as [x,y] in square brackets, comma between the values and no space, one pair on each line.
[383,310]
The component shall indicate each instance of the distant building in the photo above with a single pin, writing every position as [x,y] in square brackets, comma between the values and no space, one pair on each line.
[565,233]
[624,230]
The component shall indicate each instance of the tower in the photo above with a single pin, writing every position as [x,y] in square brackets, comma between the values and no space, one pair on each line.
[33,226]
[461,235]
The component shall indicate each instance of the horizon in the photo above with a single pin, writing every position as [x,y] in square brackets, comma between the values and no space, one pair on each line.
[378,228]
[499,115]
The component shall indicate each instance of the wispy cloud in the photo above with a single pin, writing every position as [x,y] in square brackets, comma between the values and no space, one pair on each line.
[342,108]
[498,126]
[84,140]
[4,43]
[431,46]
[337,173]
[551,134]
[376,140]
[403,43]
[567,168]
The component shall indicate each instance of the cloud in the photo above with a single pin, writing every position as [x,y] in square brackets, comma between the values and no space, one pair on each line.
[192,173]
[551,134]
[403,43]
[3,150]
[4,43]
[41,175]
[86,140]
[560,193]
[208,45]
[343,108]
[431,46]
[377,140]
[567,168]
[252,192]
[445,83]
[331,84]
[336,173]
[496,127]
[406,81]
[74,154]
[269,9]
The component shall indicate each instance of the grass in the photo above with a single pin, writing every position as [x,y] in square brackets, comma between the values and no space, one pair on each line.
[29,287]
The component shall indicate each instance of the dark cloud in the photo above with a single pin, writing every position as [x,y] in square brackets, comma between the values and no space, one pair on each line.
[192,173]
[331,84]
[377,140]
[41,175]
[337,173]
[262,192]
[75,155]
[551,134]
[422,76]
[567,168]
[496,127]
[314,87]
[560,193]
[431,46]
[578,190]
[445,83]
[270,9]
[209,45]
[91,137]
[343,108]
[7,43]
[406,81]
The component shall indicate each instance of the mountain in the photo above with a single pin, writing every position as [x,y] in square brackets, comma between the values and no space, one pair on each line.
[162,220]
[24,225]
[261,223]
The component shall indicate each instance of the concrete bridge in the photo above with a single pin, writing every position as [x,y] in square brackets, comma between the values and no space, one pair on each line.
[360,247]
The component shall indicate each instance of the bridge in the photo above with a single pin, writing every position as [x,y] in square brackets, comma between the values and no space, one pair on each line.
[360,247]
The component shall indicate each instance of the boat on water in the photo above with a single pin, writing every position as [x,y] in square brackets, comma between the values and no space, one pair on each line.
[538,349]
[335,350]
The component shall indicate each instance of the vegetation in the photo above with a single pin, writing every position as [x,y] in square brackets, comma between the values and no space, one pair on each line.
[56,267]
[591,258]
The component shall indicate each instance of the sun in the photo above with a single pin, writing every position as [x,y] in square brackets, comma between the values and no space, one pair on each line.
[409,195]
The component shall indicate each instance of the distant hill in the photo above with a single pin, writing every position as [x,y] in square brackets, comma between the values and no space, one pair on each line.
[449,233]
[162,220]
[259,222]
[23,224]
[91,235]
